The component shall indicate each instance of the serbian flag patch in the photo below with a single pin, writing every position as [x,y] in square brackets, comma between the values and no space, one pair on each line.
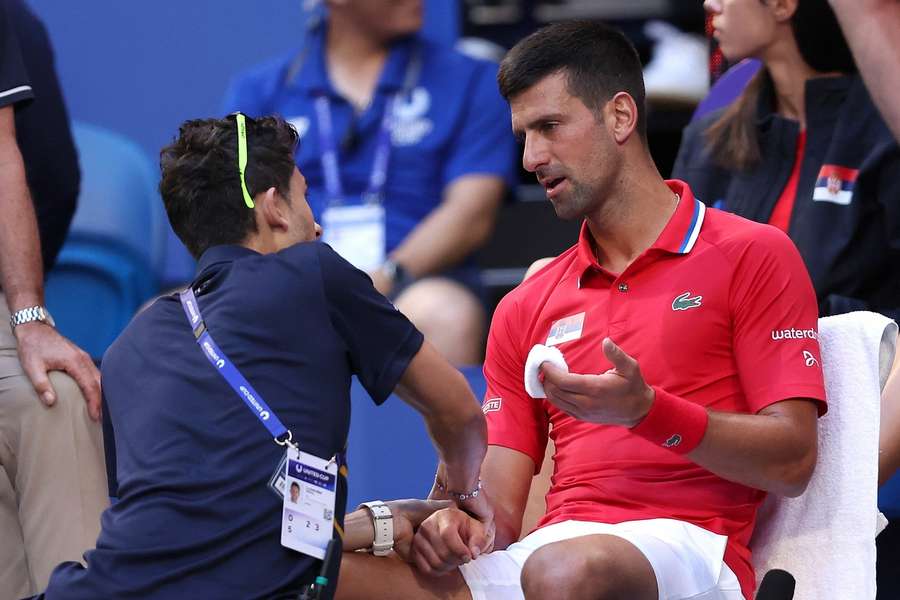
[835,184]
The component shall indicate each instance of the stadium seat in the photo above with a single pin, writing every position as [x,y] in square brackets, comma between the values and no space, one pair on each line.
[115,249]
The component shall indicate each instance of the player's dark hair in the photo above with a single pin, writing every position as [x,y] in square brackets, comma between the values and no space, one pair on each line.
[598,62]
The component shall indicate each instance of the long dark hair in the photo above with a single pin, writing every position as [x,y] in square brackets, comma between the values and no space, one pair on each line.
[732,139]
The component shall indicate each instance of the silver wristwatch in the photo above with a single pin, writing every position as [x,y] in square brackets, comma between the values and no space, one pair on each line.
[32,313]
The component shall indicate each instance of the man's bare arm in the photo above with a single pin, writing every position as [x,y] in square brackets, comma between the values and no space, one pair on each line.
[774,450]
[41,348]
[359,528]
[871,28]
[452,415]
[20,250]
[507,475]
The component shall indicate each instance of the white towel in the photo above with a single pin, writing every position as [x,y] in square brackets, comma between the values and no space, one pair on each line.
[536,357]
[826,537]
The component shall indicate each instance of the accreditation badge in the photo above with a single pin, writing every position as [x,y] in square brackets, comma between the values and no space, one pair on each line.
[356,233]
[310,491]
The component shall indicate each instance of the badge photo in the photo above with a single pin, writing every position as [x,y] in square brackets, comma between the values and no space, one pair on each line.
[309,494]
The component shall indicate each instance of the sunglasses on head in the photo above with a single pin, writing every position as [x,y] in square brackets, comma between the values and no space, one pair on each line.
[241,121]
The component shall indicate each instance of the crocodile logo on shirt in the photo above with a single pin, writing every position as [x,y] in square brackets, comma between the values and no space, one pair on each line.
[685,301]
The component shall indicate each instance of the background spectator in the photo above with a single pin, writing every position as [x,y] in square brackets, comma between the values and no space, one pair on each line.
[450,157]
[804,149]
[871,27]
[52,480]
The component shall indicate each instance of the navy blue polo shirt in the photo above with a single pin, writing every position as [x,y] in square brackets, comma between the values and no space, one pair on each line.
[452,123]
[195,518]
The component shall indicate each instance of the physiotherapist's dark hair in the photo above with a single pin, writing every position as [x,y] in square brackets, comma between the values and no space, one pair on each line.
[598,62]
[201,185]
[733,139]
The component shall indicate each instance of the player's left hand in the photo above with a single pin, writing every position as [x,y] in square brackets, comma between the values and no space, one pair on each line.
[620,396]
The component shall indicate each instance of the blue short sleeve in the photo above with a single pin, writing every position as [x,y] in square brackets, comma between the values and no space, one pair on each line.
[14,84]
[484,143]
[380,340]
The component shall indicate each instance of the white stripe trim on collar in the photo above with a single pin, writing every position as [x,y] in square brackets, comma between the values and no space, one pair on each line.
[695,232]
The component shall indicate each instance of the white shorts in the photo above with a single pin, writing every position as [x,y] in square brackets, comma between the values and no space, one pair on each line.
[686,559]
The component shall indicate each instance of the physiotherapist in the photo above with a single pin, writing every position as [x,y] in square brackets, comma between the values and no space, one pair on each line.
[226,396]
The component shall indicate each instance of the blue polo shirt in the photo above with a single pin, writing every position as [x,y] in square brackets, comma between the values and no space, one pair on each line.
[452,123]
[195,518]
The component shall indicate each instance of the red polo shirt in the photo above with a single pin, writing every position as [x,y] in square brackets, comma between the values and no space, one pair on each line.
[719,311]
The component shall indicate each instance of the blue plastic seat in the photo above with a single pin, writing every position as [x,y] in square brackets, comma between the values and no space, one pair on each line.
[115,250]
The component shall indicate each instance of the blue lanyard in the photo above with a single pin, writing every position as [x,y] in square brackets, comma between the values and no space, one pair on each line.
[330,163]
[329,158]
[229,372]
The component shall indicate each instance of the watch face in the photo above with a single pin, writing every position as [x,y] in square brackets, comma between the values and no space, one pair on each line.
[31,314]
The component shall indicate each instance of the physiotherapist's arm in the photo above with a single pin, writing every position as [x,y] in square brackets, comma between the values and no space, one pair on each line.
[461,224]
[359,529]
[871,27]
[452,416]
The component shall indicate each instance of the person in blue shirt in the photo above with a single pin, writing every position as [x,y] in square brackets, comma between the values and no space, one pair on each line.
[372,102]
[196,515]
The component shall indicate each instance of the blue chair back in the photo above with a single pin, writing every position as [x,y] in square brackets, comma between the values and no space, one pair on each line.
[116,245]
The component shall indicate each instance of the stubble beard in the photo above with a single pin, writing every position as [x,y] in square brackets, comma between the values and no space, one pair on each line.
[575,204]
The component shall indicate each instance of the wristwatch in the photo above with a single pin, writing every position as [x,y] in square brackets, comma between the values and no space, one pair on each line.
[393,270]
[383,521]
[32,313]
